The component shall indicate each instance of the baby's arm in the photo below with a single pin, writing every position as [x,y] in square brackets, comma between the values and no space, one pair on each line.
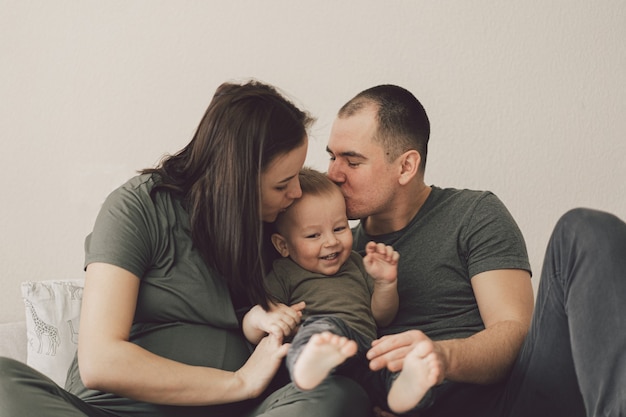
[280,320]
[381,262]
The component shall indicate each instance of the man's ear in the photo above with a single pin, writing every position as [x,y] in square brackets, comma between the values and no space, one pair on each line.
[280,244]
[409,165]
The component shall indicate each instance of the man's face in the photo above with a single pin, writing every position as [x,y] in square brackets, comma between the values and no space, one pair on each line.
[359,166]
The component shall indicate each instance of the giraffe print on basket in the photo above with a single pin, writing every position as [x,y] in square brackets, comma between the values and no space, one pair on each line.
[43,329]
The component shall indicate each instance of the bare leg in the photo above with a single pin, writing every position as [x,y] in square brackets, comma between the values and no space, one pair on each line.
[418,375]
[320,356]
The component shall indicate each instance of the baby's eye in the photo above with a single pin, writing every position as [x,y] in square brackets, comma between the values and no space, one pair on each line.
[312,236]
[340,229]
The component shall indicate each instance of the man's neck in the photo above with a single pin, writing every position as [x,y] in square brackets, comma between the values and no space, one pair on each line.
[407,205]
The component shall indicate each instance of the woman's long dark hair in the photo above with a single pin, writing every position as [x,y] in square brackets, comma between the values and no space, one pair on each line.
[218,176]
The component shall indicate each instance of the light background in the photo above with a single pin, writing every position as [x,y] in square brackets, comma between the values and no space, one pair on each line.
[526,99]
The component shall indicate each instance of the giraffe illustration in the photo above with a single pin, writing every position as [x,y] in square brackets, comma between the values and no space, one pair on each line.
[73,330]
[44,329]
[76,293]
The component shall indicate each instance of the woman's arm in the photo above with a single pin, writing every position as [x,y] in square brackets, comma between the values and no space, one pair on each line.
[109,362]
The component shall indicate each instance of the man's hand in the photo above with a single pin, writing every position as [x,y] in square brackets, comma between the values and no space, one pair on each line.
[389,351]
[414,348]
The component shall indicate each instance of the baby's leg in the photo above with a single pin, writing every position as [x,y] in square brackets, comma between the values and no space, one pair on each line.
[418,375]
[320,356]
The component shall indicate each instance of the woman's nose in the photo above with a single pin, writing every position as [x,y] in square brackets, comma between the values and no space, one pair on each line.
[295,191]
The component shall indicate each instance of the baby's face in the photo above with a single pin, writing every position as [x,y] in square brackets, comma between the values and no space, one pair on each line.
[318,235]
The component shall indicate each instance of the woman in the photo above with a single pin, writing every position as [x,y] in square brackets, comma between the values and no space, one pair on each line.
[175,253]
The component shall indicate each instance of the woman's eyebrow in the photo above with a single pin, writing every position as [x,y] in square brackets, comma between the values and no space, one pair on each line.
[286,179]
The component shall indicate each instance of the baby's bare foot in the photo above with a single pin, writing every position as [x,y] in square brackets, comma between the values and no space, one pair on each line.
[418,375]
[320,356]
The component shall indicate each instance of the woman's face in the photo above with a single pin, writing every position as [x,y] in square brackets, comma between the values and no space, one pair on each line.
[279,182]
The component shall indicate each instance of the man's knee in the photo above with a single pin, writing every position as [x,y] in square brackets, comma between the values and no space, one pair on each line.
[588,221]
[593,229]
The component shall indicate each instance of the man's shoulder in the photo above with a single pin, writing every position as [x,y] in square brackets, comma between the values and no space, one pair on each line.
[459,193]
[460,200]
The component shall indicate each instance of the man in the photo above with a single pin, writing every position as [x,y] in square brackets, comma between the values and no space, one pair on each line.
[464,279]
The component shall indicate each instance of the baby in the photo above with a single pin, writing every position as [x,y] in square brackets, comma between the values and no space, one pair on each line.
[346,296]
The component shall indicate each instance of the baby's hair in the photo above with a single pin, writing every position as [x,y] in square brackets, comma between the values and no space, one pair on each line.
[314,182]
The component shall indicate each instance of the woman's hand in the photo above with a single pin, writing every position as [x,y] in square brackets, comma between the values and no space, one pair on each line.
[258,371]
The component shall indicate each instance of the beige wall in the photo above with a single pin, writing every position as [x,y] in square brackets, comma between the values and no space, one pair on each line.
[526,99]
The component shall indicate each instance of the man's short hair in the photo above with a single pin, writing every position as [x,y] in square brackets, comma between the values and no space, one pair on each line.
[402,121]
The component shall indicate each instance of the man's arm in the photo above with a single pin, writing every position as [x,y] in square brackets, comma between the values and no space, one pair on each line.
[505,300]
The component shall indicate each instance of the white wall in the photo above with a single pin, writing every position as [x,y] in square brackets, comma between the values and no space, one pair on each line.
[526,99]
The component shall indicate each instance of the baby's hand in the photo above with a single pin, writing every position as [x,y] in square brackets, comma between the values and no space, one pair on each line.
[281,320]
[381,262]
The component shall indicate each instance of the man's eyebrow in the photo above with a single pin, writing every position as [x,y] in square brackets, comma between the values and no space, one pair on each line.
[351,154]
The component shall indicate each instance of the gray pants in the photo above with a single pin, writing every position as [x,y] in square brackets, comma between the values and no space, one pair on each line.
[24,392]
[355,367]
[573,361]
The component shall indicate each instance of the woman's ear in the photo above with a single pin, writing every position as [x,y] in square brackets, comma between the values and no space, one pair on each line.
[280,244]
[410,163]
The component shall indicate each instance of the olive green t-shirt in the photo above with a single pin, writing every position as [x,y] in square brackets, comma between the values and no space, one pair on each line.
[184,310]
[456,235]
[346,295]
[151,237]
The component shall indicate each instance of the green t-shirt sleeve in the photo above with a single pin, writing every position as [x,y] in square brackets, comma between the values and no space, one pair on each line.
[122,233]
[358,261]
[276,285]
[492,238]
